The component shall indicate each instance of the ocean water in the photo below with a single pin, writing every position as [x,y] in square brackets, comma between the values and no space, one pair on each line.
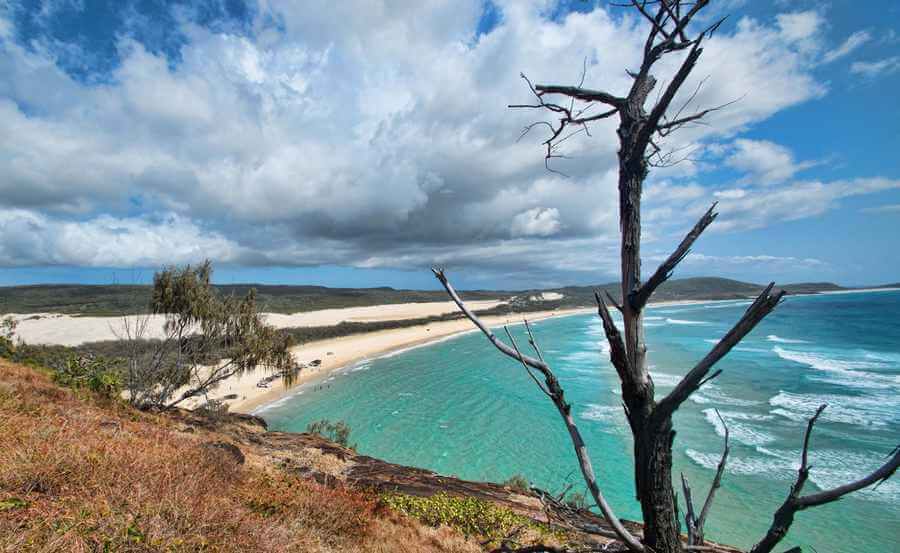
[460,408]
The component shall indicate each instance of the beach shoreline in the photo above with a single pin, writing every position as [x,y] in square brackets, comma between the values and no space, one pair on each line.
[373,345]
[337,354]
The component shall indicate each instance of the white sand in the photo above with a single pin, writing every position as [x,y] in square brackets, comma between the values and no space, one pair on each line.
[67,330]
[341,352]
[333,353]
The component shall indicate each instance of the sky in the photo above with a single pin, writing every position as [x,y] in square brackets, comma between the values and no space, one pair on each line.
[358,143]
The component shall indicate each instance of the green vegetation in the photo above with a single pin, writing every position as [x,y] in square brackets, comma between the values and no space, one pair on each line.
[114,300]
[517,482]
[208,339]
[100,375]
[338,432]
[471,516]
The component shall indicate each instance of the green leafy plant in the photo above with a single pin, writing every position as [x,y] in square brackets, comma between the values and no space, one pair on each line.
[471,516]
[338,432]
[8,328]
[98,374]
[207,338]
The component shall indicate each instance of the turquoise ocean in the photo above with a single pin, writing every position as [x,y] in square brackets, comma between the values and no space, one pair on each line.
[460,408]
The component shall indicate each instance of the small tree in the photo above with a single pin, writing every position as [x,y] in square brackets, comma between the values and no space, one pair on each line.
[8,326]
[206,339]
[644,120]
[338,432]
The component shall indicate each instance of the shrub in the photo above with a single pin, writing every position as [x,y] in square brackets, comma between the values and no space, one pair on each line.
[8,328]
[577,500]
[338,432]
[207,339]
[518,483]
[97,374]
[471,516]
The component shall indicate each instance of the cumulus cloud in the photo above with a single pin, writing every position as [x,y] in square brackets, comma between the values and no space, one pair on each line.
[747,208]
[360,133]
[539,221]
[30,238]
[764,161]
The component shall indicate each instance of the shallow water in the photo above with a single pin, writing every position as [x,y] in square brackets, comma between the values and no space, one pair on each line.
[459,408]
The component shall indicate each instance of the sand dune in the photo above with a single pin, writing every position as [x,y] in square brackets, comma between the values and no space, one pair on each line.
[66,330]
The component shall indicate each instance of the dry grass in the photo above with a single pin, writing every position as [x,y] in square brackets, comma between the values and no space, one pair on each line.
[78,475]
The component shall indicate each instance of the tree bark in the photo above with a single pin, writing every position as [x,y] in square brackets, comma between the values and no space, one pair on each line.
[653,449]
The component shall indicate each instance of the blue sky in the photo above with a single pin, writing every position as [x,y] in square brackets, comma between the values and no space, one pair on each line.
[358,143]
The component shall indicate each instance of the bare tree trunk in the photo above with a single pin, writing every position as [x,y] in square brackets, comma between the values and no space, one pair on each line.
[662,531]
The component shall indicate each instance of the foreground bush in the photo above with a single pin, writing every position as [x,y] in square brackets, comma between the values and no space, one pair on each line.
[469,515]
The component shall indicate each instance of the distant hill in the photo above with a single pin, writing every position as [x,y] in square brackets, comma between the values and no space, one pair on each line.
[111,300]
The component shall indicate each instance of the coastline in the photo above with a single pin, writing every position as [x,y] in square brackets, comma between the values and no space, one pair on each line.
[340,353]
[349,350]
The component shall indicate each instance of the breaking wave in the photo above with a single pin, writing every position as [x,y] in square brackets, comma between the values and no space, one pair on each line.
[856,410]
[738,427]
[780,340]
[844,372]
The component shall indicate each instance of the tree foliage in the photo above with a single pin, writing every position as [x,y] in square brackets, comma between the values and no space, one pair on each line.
[207,338]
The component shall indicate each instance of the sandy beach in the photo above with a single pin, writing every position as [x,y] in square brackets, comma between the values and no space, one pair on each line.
[338,353]
[320,358]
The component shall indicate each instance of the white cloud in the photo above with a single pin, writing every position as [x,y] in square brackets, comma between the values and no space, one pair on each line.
[872,69]
[801,28]
[359,133]
[539,221]
[853,42]
[792,201]
[765,162]
[30,238]
[694,258]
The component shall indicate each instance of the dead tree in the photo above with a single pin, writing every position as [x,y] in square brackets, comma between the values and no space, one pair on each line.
[693,521]
[641,126]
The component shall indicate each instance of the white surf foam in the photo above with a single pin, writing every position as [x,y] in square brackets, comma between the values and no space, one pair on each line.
[843,372]
[726,305]
[664,380]
[685,322]
[776,468]
[856,410]
[780,340]
[603,413]
[711,393]
[739,429]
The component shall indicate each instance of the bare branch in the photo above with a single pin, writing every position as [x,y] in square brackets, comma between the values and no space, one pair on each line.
[556,394]
[505,349]
[617,352]
[583,94]
[695,523]
[612,301]
[666,128]
[527,368]
[784,516]
[638,299]
[716,483]
[762,306]
[690,520]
